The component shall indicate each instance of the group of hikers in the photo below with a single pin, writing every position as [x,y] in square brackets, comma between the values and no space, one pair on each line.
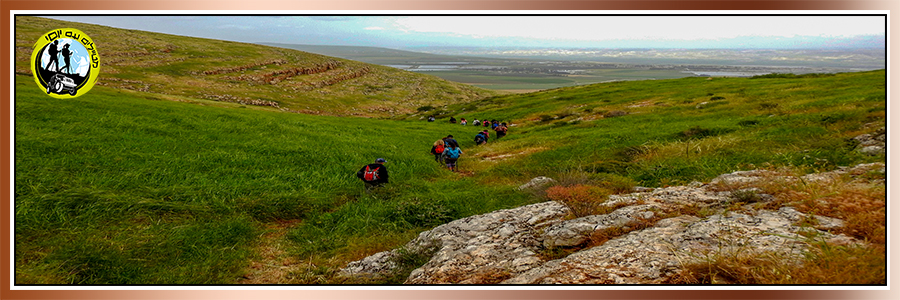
[446,151]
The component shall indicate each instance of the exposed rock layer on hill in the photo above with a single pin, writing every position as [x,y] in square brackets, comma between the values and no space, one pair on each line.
[511,246]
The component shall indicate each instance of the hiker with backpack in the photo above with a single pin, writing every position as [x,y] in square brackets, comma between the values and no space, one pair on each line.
[438,150]
[463,121]
[453,120]
[480,138]
[373,175]
[451,155]
[476,122]
[450,141]
[501,130]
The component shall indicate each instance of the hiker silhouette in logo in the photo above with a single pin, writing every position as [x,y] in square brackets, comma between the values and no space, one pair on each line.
[54,56]
[66,53]
[373,175]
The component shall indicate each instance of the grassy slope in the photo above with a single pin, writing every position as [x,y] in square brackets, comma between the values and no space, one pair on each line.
[118,186]
[676,131]
[115,187]
[174,66]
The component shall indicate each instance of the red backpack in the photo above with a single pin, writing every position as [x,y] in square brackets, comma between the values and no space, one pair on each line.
[439,148]
[371,174]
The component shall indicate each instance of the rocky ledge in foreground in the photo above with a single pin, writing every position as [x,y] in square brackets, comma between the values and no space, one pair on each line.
[511,246]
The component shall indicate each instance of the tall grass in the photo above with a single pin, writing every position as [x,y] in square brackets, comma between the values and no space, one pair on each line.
[120,187]
[116,189]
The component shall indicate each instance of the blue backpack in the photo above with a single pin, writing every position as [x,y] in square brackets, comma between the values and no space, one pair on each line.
[452,153]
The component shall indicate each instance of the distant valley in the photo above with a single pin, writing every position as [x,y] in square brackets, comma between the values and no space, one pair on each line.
[531,69]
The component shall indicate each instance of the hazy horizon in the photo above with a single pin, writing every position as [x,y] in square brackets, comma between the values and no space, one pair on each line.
[523,31]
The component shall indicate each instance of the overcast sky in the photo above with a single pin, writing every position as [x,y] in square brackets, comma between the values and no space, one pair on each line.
[611,31]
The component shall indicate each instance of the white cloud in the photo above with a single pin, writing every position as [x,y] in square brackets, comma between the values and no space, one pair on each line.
[593,28]
[374,28]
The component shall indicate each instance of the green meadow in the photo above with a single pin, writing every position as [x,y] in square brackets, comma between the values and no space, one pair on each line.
[121,187]
[159,175]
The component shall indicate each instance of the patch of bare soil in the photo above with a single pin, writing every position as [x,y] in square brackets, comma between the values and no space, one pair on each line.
[272,264]
[504,156]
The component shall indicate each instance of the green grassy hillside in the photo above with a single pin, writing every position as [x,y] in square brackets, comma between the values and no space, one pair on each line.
[676,131]
[118,187]
[160,186]
[188,69]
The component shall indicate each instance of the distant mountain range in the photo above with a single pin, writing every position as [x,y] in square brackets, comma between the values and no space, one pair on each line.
[862,58]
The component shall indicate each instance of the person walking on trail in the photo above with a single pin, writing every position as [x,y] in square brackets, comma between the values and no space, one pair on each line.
[501,130]
[449,141]
[480,138]
[476,122]
[438,150]
[462,121]
[487,135]
[430,118]
[485,123]
[453,120]
[451,155]
[373,175]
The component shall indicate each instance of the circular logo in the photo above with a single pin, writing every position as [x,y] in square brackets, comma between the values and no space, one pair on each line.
[65,63]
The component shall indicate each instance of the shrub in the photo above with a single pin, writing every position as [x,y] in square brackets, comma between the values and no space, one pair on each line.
[616,183]
[425,108]
[615,113]
[582,200]
[566,113]
[421,213]
[695,132]
[745,196]
[767,105]
[717,98]
[747,123]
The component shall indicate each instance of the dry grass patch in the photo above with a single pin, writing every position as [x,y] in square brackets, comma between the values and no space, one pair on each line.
[824,264]
[857,199]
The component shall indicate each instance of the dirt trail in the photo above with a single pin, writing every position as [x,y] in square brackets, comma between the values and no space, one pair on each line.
[274,265]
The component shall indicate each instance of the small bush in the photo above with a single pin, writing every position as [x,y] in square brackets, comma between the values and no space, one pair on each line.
[566,113]
[582,200]
[616,183]
[748,123]
[425,108]
[745,196]
[615,113]
[767,105]
[716,98]
[698,132]
[421,213]
[546,118]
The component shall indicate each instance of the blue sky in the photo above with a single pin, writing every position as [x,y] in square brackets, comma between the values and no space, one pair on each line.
[497,30]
